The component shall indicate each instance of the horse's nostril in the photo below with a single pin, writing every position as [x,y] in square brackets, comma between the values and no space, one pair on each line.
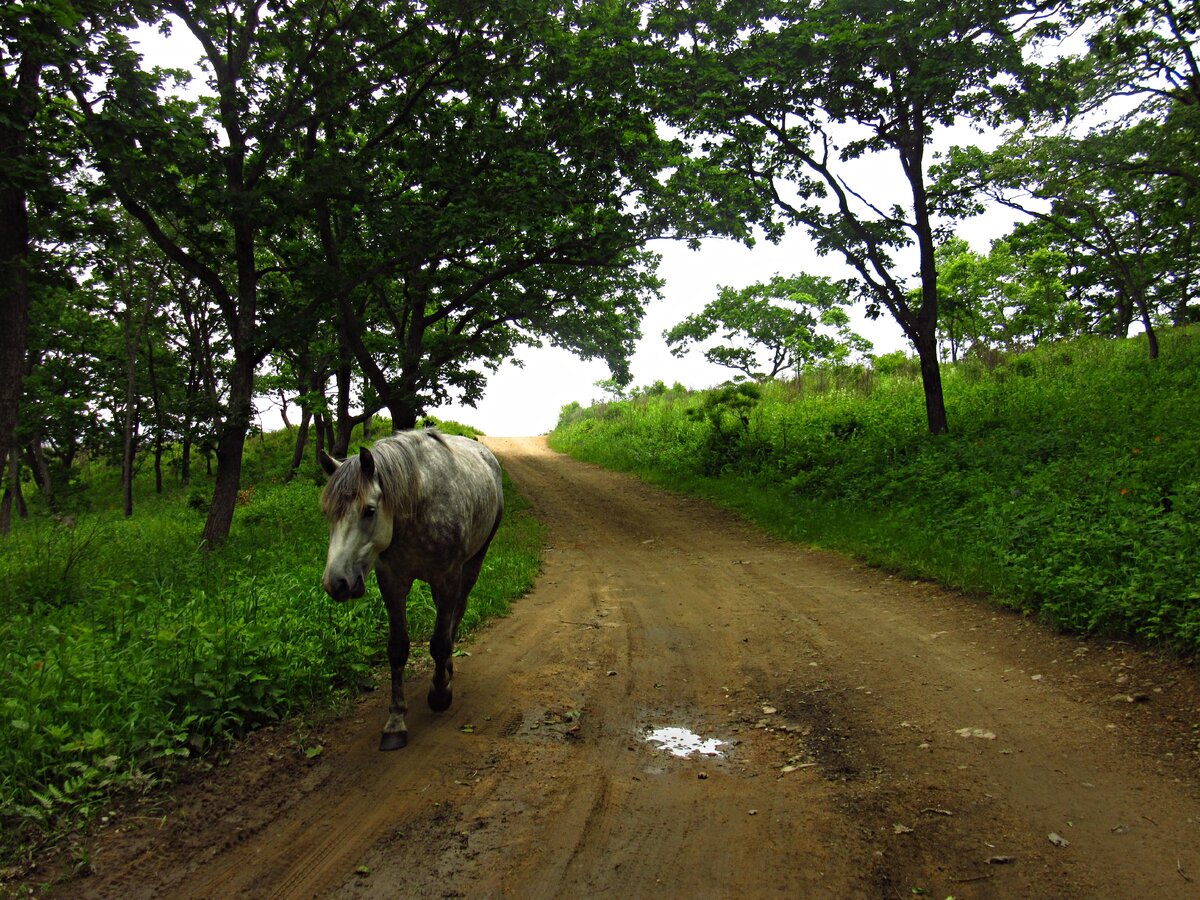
[337,588]
[341,588]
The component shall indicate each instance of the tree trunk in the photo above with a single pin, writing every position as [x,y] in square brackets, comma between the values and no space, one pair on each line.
[41,470]
[345,424]
[931,381]
[230,448]
[12,493]
[159,425]
[185,460]
[14,303]
[130,422]
[327,428]
[404,414]
[301,440]
[130,448]
[232,442]
[1147,323]
[158,455]
[319,431]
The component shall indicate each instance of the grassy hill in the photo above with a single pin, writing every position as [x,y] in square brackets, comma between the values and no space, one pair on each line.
[125,647]
[1069,486]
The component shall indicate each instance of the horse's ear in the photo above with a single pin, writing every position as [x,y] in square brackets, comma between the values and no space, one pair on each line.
[328,463]
[367,462]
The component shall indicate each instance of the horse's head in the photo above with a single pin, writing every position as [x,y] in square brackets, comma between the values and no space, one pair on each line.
[360,523]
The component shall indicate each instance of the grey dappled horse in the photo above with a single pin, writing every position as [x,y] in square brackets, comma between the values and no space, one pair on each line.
[420,504]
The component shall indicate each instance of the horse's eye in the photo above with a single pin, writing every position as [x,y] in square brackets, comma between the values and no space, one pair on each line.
[368,512]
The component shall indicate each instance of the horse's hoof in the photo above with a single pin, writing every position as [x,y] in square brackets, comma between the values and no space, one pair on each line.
[439,701]
[393,740]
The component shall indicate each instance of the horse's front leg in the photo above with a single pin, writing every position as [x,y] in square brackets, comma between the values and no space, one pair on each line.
[395,597]
[447,597]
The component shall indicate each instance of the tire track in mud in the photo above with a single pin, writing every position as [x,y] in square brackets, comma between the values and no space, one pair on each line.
[840,694]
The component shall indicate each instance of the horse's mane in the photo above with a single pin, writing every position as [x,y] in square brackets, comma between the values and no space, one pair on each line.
[396,470]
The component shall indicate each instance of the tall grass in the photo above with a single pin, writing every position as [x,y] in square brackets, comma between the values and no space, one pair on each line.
[124,646]
[1069,486]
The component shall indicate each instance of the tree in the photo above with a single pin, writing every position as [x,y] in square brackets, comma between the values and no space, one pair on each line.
[513,211]
[1091,192]
[35,37]
[1013,298]
[786,94]
[781,319]
[227,190]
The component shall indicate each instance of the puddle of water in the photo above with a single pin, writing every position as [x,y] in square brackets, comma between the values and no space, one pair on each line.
[682,742]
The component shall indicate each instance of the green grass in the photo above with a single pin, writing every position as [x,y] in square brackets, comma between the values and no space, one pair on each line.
[125,648]
[1068,488]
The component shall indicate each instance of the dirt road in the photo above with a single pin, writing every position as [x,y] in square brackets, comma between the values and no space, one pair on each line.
[878,739]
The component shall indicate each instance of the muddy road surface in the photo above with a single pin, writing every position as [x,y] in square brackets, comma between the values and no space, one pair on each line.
[877,738]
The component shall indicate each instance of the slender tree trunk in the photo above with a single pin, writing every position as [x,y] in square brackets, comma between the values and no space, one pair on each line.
[1147,324]
[129,432]
[12,493]
[283,405]
[230,448]
[14,311]
[232,442]
[159,425]
[127,460]
[327,427]
[319,429]
[301,440]
[931,381]
[41,470]
[345,424]
[185,460]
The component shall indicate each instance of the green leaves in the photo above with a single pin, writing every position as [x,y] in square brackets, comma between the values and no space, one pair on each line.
[794,322]
[793,91]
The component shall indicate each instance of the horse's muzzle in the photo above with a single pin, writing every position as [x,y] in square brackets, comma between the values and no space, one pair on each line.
[341,589]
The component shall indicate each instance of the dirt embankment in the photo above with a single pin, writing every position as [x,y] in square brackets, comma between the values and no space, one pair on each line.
[877,737]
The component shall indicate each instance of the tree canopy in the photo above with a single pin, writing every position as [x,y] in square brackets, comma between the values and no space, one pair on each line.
[789,95]
[418,188]
[788,322]
[370,206]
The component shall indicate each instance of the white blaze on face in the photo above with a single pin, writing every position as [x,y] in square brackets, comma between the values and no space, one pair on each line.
[355,542]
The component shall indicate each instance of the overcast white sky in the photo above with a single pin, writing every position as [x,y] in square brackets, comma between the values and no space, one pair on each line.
[526,399]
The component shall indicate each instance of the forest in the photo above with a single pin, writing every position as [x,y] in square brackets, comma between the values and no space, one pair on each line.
[361,209]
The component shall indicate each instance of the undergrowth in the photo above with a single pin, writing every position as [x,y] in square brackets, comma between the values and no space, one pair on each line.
[124,647]
[1069,486]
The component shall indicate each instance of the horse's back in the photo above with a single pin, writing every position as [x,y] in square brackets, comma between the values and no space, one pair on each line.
[461,491]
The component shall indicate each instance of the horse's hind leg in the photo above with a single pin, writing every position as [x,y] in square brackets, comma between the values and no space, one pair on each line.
[451,599]
[441,643]
[395,598]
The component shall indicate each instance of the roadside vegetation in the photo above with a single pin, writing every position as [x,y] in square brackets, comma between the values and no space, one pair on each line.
[1069,487]
[125,647]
